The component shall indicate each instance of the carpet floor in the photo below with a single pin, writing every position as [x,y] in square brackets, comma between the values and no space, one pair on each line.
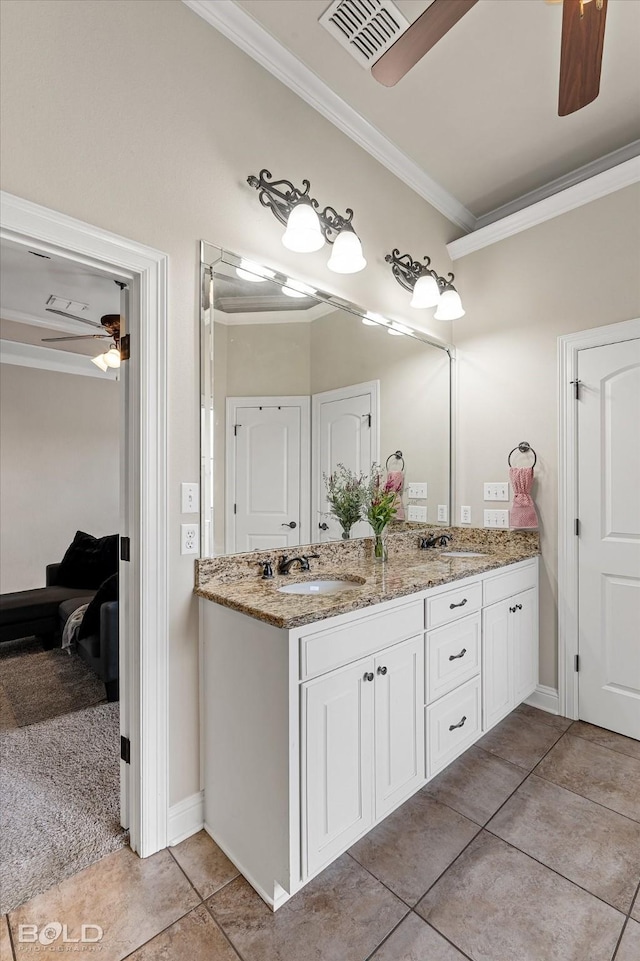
[60,791]
[36,685]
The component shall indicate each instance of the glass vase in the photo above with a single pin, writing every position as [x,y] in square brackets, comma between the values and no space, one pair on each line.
[380,547]
[346,533]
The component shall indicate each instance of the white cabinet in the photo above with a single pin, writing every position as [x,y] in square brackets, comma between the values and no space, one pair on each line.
[362,748]
[509,642]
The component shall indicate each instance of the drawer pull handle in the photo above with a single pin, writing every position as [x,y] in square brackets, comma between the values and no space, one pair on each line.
[461,604]
[368,675]
[452,727]
[454,657]
[382,670]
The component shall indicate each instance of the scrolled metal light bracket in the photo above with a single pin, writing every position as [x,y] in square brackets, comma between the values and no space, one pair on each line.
[281,196]
[407,271]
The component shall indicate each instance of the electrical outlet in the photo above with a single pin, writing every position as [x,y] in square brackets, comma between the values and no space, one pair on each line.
[496,491]
[465,515]
[417,491]
[443,512]
[189,538]
[415,513]
[189,498]
[496,518]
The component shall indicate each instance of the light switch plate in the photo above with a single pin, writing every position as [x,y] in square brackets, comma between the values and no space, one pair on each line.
[189,536]
[415,513]
[465,515]
[189,498]
[496,518]
[417,491]
[496,491]
[443,512]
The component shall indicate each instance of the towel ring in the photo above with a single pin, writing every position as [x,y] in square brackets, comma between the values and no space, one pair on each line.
[525,448]
[398,456]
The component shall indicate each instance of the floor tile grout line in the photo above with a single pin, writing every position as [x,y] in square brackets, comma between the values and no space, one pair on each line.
[175,861]
[598,744]
[388,935]
[220,925]
[167,927]
[379,881]
[202,899]
[11,944]
[584,797]
[371,957]
[626,924]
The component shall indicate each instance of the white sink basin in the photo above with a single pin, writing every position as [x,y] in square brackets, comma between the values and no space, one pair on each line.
[318,587]
[461,554]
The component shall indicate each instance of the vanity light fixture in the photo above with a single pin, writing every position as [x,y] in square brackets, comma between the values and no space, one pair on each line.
[254,273]
[308,227]
[398,330]
[295,288]
[426,287]
[373,320]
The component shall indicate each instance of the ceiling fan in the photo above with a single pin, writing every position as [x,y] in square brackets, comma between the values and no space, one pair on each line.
[109,324]
[583,23]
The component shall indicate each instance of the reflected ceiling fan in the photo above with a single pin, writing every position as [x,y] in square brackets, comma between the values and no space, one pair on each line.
[582,42]
[110,327]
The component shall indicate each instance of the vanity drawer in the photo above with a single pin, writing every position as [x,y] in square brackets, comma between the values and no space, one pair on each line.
[453,724]
[326,650]
[510,582]
[453,656]
[453,604]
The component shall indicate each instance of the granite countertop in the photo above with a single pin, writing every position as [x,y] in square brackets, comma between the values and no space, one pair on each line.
[406,572]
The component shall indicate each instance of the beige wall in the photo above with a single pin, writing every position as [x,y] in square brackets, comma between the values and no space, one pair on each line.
[59,468]
[141,119]
[578,271]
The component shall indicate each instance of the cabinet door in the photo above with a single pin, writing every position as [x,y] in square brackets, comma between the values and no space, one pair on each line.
[337,762]
[497,663]
[524,625]
[399,729]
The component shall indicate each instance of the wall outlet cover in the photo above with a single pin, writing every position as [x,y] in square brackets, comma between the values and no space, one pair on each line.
[415,513]
[189,498]
[189,537]
[417,491]
[465,515]
[443,512]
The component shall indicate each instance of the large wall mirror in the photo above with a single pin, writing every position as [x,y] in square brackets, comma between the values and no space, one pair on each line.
[295,381]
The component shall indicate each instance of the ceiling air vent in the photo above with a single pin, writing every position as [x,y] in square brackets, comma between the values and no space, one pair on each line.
[366,28]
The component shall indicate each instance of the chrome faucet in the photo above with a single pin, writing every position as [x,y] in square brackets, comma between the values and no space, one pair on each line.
[434,540]
[285,564]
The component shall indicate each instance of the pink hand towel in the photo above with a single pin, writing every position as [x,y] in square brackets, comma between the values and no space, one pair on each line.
[523,510]
[395,482]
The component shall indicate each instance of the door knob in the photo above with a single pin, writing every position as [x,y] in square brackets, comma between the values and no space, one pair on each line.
[323,527]
[291,524]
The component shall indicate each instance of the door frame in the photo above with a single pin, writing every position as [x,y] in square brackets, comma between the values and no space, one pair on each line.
[232,404]
[143,615]
[371,387]
[569,346]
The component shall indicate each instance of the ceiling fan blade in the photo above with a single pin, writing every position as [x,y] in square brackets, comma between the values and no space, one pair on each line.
[580,54]
[421,36]
[63,313]
[77,337]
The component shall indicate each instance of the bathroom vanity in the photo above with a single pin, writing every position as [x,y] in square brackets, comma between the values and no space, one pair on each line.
[322,714]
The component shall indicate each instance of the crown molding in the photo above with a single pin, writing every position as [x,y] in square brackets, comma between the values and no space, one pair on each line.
[607,182]
[54,323]
[254,40]
[47,358]
[613,159]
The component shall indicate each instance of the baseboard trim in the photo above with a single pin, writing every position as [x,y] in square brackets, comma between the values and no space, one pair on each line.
[546,699]
[281,896]
[186,818]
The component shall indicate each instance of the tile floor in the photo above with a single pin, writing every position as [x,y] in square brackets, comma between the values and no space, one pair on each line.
[527,848]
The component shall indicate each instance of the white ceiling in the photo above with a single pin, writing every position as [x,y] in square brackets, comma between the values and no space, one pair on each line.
[27,283]
[478,113]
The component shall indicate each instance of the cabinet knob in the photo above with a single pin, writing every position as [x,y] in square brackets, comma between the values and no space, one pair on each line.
[368,676]
[461,604]
[324,526]
[519,606]
[452,727]
[382,670]
[454,657]
[512,610]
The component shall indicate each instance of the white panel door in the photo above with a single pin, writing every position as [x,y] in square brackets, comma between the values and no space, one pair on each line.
[266,470]
[399,727]
[609,542]
[524,628]
[337,757]
[497,663]
[346,428]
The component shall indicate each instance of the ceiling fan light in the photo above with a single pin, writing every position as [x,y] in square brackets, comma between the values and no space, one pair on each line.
[112,357]
[450,305]
[303,233]
[426,292]
[346,256]
[100,362]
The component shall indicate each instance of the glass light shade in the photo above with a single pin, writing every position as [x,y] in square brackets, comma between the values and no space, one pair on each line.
[426,292]
[295,288]
[112,357]
[450,306]
[100,362]
[303,233]
[398,330]
[373,320]
[254,273]
[346,256]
